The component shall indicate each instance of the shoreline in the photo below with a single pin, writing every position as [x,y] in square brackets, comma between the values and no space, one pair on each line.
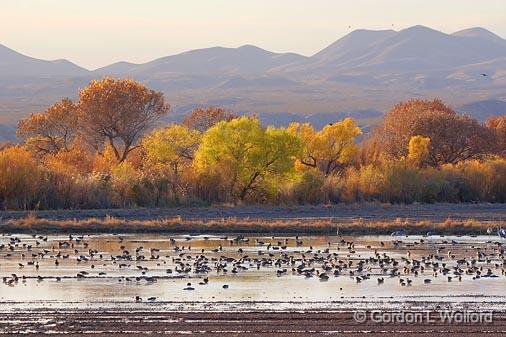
[355,219]
[342,211]
[306,227]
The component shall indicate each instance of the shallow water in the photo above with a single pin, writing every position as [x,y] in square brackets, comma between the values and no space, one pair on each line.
[110,280]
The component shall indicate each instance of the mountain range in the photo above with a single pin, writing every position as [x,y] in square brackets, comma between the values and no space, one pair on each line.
[361,74]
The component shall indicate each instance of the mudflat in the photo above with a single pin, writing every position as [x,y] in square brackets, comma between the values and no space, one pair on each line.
[152,322]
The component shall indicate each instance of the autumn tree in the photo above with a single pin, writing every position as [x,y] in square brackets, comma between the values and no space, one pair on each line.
[77,161]
[498,126]
[124,181]
[329,149]
[171,146]
[203,118]
[398,124]
[248,154]
[418,150]
[6,145]
[454,137]
[368,152]
[52,130]
[118,112]
[169,153]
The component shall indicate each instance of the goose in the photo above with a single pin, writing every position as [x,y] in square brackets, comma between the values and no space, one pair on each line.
[323,277]
[188,286]
[502,233]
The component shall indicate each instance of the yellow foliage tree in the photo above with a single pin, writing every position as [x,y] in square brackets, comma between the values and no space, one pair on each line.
[171,148]
[169,154]
[418,150]
[251,157]
[124,179]
[329,149]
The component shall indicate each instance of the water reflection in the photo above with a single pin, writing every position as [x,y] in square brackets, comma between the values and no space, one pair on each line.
[120,268]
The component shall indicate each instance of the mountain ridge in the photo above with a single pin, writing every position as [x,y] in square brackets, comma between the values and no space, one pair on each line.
[13,63]
[364,70]
[474,32]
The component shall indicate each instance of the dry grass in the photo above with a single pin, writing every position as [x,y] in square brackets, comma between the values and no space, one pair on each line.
[177,224]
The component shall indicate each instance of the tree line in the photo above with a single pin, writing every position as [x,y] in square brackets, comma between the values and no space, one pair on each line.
[109,149]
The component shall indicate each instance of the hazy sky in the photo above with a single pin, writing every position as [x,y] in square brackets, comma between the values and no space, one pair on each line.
[94,33]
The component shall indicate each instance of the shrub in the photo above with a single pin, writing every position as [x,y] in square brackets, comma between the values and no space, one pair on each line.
[21,179]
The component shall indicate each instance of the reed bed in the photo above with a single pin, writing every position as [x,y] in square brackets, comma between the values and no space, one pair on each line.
[313,226]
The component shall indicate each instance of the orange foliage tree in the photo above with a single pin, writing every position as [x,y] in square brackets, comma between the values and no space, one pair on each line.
[454,137]
[498,125]
[51,131]
[118,112]
[202,119]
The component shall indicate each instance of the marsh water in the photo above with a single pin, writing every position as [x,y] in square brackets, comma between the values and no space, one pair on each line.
[187,272]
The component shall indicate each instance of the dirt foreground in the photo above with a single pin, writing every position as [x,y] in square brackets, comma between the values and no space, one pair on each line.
[339,323]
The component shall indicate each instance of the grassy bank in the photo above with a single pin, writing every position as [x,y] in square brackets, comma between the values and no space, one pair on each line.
[108,224]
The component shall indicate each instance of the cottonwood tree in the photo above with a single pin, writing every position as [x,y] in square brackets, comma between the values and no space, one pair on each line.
[329,149]
[248,154]
[51,131]
[398,124]
[454,137]
[203,118]
[169,153]
[498,125]
[118,112]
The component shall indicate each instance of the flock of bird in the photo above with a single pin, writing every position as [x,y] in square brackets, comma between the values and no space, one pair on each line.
[406,260]
[500,232]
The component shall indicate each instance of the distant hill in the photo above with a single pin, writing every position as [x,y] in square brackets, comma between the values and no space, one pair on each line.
[245,60]
[482,110]
[478,32]
[14,64]
[7,133]
[389,57]
[365,70]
